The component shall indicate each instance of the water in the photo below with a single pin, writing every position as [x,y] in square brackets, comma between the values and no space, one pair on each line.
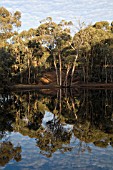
[50,130]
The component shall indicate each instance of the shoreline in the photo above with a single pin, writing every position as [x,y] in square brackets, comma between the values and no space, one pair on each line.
[53,86]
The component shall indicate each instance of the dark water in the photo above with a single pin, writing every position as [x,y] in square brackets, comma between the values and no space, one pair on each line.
[50,130]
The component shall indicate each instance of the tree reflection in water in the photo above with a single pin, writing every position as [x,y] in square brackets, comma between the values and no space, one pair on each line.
[54,137]
[84,114]
[8,152]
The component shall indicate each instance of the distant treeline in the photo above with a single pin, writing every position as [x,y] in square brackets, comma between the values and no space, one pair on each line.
[25,56]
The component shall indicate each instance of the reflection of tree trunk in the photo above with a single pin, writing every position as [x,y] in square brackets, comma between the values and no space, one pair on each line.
[91,112]
[73,106]
[17,119]
[87,104]
[28,107]
[84,99]
[106,102]
[60,101]
[68,105]
[60,70]
[35,105]
[55,64]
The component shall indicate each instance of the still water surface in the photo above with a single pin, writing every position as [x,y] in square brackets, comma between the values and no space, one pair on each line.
[50,130]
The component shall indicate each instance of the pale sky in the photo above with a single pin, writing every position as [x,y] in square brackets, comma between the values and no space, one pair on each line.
[33,11]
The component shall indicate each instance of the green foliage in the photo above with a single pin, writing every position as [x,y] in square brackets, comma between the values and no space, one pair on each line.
[27,54]
[8,22]
[8,151]
[102,25]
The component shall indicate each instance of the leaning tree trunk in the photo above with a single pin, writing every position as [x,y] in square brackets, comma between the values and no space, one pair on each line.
[73,69]
[67,73]
[72,73]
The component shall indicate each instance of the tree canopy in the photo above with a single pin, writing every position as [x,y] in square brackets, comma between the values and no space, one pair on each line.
[25,56]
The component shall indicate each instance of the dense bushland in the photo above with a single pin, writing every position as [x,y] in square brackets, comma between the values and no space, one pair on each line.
[26,56]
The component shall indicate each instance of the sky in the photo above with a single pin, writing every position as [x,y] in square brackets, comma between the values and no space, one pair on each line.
[33,11]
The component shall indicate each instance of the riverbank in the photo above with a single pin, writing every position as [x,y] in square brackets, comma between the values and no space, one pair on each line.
[94,85]
[53,86]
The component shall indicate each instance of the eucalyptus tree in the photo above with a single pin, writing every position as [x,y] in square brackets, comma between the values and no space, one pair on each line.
[37,53]
[18,50]
[29,55]
[8,24]
[105,49]
[92,39]
[28,35]
[63,40]
[102,25]
[102,50]
[72,52]
[55,37]
[70,62]
[45,35]
[29,48]
[6,61]
[81,45]
[39,56]
[22,54]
